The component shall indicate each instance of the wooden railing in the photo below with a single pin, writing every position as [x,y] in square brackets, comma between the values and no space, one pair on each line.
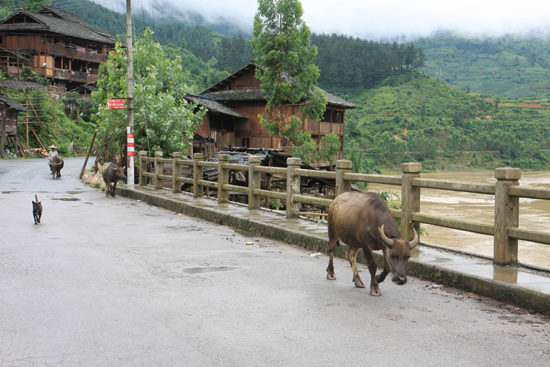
[506,191]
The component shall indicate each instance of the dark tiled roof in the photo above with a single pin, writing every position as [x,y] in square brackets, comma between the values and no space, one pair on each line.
[214,106]
[333,100]
[60,22]
[74,18]
[235,95]
[218,92]
[12,104]
[15,84]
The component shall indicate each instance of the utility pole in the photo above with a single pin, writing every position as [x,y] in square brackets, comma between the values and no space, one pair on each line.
[130,95]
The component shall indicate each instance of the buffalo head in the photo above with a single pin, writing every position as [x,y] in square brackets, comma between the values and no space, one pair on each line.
[397,253]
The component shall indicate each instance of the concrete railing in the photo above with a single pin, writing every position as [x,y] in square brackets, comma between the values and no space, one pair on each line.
[506,191]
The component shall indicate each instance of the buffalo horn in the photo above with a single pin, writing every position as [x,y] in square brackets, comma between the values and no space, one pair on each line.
[386,240]
[415,240]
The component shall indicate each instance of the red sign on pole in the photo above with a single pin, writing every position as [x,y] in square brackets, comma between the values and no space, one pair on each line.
[130,145]
[116,103]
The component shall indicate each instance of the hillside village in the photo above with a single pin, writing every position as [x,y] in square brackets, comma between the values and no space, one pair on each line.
[428,120]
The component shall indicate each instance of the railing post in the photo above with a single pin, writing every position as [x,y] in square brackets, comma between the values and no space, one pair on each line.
[292,187]
[197,175]
[410,199]
[254,182]
[506,215]
[343,166]
[223,178]
[142,168]
[158,170]
[176,171]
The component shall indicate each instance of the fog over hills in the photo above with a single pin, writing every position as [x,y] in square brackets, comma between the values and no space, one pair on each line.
[398,19]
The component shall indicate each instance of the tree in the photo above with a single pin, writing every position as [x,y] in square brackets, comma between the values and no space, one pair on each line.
[288,75]
[34,5]
[163,119]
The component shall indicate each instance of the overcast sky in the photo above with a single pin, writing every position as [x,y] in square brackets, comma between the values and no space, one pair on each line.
[375,19]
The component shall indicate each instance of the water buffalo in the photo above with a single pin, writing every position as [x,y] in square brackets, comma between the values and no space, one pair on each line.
[111,174]
[364,221]
[56,163]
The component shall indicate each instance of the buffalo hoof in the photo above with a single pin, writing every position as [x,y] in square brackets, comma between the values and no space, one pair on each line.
[375,291]
[331,276]
[358,282]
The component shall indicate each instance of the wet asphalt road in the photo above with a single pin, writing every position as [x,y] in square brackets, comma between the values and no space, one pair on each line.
[116,282]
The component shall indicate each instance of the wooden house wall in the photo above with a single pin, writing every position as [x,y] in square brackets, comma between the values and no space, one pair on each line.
[11,119]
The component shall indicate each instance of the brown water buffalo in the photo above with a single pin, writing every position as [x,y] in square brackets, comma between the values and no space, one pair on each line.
[111,174]
[364,221]
[56,163]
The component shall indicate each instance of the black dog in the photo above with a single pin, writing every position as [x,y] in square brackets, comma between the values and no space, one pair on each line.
[36,210]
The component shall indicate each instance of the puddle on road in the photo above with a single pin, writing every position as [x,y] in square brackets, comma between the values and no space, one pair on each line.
[209,269]
[66,199]
[74,192]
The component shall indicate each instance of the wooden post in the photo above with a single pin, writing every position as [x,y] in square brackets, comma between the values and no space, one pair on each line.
[197,175]
[506,215]
[223,178]
[88,154]
[342,166]
[410,199]
[3,131]
[142,168]
[176,171]
[292,187]
[254,182]
[158,170]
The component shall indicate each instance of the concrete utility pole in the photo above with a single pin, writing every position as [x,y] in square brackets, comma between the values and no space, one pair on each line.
[130,92]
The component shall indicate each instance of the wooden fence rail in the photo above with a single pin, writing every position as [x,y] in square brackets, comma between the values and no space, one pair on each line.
[506,191]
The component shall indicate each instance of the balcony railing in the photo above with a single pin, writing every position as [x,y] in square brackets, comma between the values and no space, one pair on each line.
[79,54]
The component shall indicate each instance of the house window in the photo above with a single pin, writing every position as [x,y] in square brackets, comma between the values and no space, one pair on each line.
[332,116]
[219,122]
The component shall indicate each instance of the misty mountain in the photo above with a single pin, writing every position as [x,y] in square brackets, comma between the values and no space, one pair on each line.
[164,12]
[507,66]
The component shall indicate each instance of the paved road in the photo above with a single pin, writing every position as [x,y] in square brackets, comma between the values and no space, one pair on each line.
[115,282]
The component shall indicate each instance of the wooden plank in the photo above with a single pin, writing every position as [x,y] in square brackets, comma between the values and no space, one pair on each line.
[528,235]
[270,194]
[312,200]
[211,184]
[530,192]
[454,223]
[361,177]
[241,189]
[272,170]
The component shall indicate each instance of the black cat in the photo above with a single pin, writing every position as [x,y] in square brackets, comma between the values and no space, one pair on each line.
[36,210]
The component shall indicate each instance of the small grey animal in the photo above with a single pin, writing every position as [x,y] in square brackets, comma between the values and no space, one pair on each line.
[36,210]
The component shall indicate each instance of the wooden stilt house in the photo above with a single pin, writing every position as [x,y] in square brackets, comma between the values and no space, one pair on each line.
[234,105]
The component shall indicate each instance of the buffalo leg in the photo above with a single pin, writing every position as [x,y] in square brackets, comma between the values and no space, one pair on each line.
[374,288]
[352,257]
[330,267]
[113,190]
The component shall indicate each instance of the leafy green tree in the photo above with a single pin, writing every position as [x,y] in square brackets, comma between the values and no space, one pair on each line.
[288,75]
[35,4]
[163,119]
[456,141]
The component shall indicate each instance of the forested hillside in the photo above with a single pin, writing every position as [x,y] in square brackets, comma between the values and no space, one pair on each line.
[421,119]
[508,66]
[350,65]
